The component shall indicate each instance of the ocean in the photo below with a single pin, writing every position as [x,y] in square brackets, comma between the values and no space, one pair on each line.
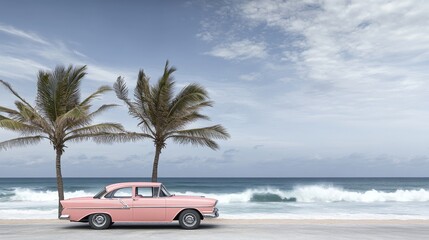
[244,198]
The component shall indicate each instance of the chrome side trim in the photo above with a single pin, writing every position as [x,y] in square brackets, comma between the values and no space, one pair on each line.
[127,207]
[172,207]
[118,208]
[64,217]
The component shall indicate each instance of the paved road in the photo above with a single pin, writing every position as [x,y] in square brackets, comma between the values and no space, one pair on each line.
[213,230]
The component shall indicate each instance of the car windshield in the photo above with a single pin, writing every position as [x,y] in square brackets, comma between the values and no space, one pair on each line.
[164,192]
[100,194]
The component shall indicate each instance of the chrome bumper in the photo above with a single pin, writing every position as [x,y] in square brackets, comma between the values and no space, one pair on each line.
[65,217]
[214,214]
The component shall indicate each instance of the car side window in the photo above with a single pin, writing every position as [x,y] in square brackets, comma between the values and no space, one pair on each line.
[163,192]
[146,192]
[155,191]
[122,193]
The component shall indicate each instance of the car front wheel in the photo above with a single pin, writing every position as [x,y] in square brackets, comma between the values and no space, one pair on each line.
[189,219]
[99,221]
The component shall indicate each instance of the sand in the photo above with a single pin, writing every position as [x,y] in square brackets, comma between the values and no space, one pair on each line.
[222,229]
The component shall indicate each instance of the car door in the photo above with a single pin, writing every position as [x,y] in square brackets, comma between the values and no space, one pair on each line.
[119,204]
[147,206]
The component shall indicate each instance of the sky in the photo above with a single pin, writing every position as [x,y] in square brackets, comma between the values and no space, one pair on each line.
[305,88]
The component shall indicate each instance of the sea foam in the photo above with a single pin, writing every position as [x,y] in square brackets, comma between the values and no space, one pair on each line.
[28,195]
[310,193]
[307,201]
[317,193]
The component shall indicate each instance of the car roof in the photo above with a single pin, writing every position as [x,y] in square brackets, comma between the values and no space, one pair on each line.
[131,184]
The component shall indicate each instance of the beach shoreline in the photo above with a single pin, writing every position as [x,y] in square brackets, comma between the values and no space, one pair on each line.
[226,229]
[247,221]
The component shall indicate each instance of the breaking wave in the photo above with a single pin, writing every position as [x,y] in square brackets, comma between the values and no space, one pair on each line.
[255,203]
[317,193]
[305,194]
[28,195]
[25,203]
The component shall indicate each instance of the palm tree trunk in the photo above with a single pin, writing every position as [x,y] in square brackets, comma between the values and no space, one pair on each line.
[155,163]
[60,186]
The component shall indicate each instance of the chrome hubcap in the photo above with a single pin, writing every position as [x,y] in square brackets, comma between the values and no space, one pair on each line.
[99,220]
[189,220]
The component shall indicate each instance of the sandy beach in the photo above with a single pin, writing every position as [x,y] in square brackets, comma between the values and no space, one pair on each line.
[222,229]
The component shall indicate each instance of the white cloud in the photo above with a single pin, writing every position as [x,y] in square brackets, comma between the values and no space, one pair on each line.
[353,58]
[80,54]
[240,50]
[351,42]
[340,76]
[22,34]
[23,60]
[206,33]
[250,76]
[205,36]
[13,67]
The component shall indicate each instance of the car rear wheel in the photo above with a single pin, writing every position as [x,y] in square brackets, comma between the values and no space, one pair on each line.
[99,221]
[189,219]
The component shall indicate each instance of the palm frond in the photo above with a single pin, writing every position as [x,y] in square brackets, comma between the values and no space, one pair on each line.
[142,93]
[13,114]
[161,94]
[74,116]
[8,110]
[88,118]
[16,126]
[102,109]
[24,111]
[121,92]
[32,117]
[179,122]
[22,141]
[28,115]
[212,132]
[109,138]
[144,104]
[75,76]
[75,113]
[192,94]
[58,91]
[147,127]
[198,141]
[179,119]
[98,128]
[44,100]
[68,82]
[9,87]
[121,89]
[96,94]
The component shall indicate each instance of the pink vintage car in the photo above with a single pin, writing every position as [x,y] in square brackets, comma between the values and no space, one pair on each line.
[138,202]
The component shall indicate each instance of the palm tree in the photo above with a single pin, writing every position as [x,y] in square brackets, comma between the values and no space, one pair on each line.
[163,115]
[59,116]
